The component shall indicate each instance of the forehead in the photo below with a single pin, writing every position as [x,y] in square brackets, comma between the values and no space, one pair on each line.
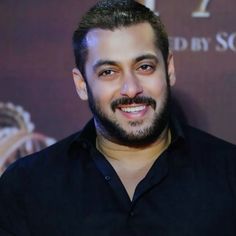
[121,43]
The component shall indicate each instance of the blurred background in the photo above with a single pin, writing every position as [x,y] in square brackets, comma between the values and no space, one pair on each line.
[38,102]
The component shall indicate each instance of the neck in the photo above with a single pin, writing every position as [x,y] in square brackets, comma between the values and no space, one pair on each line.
[132,164]
[132,156]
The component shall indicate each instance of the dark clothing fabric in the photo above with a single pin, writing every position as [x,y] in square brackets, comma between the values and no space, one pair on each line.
[71,189]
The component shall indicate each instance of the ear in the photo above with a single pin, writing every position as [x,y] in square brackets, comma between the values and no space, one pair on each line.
[80,84]
[171,69]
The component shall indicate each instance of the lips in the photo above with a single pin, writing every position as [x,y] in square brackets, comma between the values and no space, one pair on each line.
[133,109]
[133,105]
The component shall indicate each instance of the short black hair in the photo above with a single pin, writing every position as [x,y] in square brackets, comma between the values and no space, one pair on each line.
[113,14]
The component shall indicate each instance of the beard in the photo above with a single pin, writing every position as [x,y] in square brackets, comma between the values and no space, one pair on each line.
[112,130]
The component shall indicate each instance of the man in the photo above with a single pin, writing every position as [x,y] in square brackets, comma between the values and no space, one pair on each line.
[133,169]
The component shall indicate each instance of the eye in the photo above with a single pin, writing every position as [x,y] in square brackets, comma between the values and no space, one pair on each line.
[106,73]
[146,68]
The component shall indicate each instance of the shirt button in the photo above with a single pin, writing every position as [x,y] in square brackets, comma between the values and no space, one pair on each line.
[107,177]
[131,213]
[84,145]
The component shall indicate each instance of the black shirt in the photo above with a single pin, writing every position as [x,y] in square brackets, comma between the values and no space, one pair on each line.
[71,189]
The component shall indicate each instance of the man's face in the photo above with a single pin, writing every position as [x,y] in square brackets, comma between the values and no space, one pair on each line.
[126,84]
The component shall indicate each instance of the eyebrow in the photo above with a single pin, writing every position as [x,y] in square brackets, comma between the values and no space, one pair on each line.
[114,63]
[147,56]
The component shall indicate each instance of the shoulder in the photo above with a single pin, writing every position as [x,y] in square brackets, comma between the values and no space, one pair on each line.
[53,156]
[206,144]
[204,138]
[53,162]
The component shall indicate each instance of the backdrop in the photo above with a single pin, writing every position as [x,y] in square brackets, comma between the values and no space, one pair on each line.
[37,95]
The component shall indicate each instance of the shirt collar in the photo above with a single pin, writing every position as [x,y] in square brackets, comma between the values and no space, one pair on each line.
[87,136]
[176,129]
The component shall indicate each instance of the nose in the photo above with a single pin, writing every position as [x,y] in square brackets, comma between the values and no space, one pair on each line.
[131,86]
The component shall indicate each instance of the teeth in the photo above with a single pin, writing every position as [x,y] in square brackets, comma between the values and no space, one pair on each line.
[133,109]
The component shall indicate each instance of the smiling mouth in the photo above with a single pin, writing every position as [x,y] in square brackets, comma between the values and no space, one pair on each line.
[133,109]
[133,105]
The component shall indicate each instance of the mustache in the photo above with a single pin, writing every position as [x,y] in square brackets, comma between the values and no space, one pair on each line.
[136,100]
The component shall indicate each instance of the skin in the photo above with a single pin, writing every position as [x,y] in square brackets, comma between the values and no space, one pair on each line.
[125,63]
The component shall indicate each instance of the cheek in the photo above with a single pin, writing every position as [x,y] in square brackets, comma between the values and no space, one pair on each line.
[104,91]
[156,87]
[102,95]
